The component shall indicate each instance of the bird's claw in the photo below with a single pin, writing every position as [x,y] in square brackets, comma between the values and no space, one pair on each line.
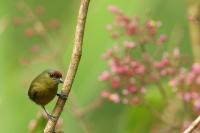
[62,96]
[51,117]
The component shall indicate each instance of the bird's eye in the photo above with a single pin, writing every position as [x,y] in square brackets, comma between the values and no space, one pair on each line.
[51,75]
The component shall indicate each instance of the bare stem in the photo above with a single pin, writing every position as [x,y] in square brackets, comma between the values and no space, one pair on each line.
[193,125]
[75,59]
[194,24]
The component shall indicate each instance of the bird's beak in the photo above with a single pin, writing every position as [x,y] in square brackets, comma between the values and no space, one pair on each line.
[61,80]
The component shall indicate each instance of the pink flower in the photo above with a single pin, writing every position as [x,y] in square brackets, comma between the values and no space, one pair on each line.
[187,97]
[122,69]
[116,83]
[176,53]
[114,98]
[195,95]
[163,72]
[197,104]
[125,92]
[196,68]
[127,59]
[105,94]
[162,64]
[114,10]
[162,39]
[190,78]
[173,83]
[107,55]
[140,69]
[113,65]
[198,80]
[129,45]
[143,90]
[152,32]
[123,20]
[167,71]
[151,24]
[104,76]
[131,29]
[134,64]
[132,88]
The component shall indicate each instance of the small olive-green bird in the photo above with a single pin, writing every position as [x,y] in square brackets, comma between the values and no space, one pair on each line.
[44,88]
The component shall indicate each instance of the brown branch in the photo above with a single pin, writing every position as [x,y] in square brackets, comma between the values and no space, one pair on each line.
[194,24]
[193,125]
[75,59]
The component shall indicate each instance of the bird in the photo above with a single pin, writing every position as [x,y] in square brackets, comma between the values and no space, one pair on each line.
[44,88]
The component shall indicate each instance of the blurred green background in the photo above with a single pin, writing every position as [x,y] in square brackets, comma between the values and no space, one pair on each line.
[16,73]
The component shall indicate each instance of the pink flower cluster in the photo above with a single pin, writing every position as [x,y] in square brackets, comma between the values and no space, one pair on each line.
[129,74]
[133,27]
[187,84]
[122,77]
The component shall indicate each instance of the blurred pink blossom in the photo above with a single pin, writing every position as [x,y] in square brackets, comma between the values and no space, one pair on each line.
[162,64]
[162,39]
[176,52]
[104,76]
[116,83]
[114,98]
[129,45]
[132,29]
[196,68]
[196,103]
[132,88]
[114,10]
[187,97]
[105,94]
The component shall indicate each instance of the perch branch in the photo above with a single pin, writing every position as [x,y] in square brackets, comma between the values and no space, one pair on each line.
[194,25]
[193,125]
[75,59]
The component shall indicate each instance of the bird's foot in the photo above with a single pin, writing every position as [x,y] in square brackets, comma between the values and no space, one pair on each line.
[62,96]
[51,117]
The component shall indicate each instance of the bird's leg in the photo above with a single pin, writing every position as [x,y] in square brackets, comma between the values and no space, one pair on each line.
[62,96]
[51,117]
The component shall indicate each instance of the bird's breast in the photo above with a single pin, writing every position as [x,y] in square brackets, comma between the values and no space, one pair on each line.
[45,96]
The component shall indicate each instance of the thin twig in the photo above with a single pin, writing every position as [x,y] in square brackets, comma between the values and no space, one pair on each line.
[75,59]
[193,125]
[194,24]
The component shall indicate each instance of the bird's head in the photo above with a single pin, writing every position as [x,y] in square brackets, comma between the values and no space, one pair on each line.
[49,77]
[54,75]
